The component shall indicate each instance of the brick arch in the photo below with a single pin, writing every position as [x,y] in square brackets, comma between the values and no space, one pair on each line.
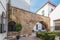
[11,26]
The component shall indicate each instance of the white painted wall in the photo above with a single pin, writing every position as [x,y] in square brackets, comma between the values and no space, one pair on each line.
[54,15]
[4,2]
[2,36]
[23,4]
[39,26]
[47,7]
[50,7]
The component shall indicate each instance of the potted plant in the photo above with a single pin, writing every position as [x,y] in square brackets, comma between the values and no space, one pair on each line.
[18,29]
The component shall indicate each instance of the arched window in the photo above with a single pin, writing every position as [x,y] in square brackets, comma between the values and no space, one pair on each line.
[11,26]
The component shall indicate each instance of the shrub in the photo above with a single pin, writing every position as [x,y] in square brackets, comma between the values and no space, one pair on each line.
[51,36]
[18,27]
[45,35]
[40,34]
[57,33]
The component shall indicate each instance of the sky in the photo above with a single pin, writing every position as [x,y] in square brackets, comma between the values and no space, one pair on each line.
[36,4]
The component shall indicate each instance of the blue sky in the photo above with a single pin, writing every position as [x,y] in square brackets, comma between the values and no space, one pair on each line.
[36,4]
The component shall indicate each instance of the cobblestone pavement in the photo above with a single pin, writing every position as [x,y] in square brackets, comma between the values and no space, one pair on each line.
[31,37]
[27,38]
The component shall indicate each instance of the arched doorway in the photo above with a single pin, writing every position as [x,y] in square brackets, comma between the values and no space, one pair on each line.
[11,26]
[40,26]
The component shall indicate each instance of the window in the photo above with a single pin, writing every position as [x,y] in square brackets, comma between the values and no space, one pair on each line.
[11,26]
[51,10]
[36,26]
[57,25]
[43,12]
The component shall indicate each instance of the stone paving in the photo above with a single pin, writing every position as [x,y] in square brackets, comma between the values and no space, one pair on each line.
[31,37]
[27,38]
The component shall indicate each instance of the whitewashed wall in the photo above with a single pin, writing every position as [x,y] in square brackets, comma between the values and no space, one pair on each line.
[54,15]
[47,7]
[2,36]
[50,6]
[4,2]
[39,26]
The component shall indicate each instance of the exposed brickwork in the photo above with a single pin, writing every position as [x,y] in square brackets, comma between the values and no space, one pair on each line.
[27,19]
